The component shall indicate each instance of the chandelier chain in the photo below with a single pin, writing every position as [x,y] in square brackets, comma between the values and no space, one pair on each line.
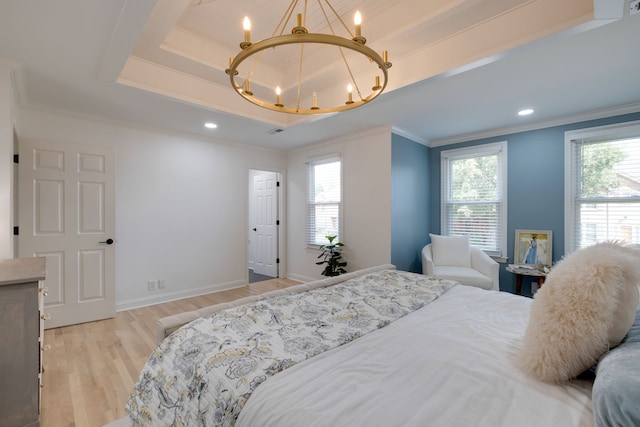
[283,22]
[255,65]
[344,58]
[300,77]
[337,16]
[286,17]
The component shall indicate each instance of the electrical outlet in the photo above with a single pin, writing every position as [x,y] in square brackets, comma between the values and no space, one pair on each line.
[152,285]
[634,7]
[161,283]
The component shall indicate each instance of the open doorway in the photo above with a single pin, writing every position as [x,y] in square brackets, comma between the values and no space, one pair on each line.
[264,222]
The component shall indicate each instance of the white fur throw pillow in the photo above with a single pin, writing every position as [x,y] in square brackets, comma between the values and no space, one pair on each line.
[586,306]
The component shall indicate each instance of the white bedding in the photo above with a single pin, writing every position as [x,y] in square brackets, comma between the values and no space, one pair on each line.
[448,364]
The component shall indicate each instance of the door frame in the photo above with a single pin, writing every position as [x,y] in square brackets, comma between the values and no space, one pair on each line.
[281,216]
[15,201]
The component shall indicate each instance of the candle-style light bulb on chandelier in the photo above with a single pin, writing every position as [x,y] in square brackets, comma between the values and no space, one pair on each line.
[357,93]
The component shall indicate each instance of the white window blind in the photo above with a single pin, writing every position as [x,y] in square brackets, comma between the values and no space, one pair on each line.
[324,200]
[604,187]
[474,196]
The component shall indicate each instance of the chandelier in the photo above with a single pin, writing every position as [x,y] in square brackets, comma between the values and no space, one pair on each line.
[356,93]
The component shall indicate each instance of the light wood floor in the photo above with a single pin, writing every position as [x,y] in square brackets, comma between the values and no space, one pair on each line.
[91,368]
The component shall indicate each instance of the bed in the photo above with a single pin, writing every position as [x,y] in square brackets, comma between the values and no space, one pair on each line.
[378,347]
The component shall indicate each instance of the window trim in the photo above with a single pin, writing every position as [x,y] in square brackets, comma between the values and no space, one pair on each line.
[469,152]
[594,134]
[314,161]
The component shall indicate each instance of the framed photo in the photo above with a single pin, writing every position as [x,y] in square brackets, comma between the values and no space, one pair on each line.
[533,247]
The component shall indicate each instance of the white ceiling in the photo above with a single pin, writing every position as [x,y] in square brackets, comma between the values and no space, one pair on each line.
[461,68]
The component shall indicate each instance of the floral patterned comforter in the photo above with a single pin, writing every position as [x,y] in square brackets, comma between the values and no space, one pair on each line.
[204,373]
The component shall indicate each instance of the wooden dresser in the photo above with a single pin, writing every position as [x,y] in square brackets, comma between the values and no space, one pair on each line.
[21,340]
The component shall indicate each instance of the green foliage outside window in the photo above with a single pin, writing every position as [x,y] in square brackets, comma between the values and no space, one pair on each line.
[598,176]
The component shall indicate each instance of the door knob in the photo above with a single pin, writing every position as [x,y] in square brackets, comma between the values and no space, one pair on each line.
[108,241]
[255,229]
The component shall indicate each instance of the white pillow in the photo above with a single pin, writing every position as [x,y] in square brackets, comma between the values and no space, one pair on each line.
[450,250]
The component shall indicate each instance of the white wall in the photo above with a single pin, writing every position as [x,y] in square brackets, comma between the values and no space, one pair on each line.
[6,163]
[366,162]
[181,204]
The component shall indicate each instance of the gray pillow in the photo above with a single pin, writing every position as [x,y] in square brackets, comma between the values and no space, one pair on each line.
[616,389]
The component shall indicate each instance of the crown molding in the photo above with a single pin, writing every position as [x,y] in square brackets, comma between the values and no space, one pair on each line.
[564,120]
[18,79]
[17,76]
[345,138]
[75,115]
[410,136]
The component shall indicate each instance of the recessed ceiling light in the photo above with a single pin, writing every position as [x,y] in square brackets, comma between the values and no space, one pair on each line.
[525,112]
[210,125]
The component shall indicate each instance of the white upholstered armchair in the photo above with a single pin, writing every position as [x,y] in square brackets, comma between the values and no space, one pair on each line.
[453,258]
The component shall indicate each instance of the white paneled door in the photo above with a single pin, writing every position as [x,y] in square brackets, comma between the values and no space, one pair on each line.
[265,231]
[67,214]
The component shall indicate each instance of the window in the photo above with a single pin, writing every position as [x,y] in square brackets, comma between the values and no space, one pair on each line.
[324,200]
[602,185]
[474,195]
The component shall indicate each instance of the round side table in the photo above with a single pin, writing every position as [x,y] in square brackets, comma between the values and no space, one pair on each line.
[523,271]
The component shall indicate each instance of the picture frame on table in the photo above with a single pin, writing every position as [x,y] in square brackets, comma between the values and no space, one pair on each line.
[533,247]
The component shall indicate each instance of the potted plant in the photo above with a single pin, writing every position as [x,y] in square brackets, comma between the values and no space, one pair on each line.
[332,256]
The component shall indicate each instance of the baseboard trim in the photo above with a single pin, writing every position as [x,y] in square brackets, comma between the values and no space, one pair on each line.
[177,295]
[299,278]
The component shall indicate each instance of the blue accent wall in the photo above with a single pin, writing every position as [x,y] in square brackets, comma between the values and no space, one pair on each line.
[535,183]
[410,195]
